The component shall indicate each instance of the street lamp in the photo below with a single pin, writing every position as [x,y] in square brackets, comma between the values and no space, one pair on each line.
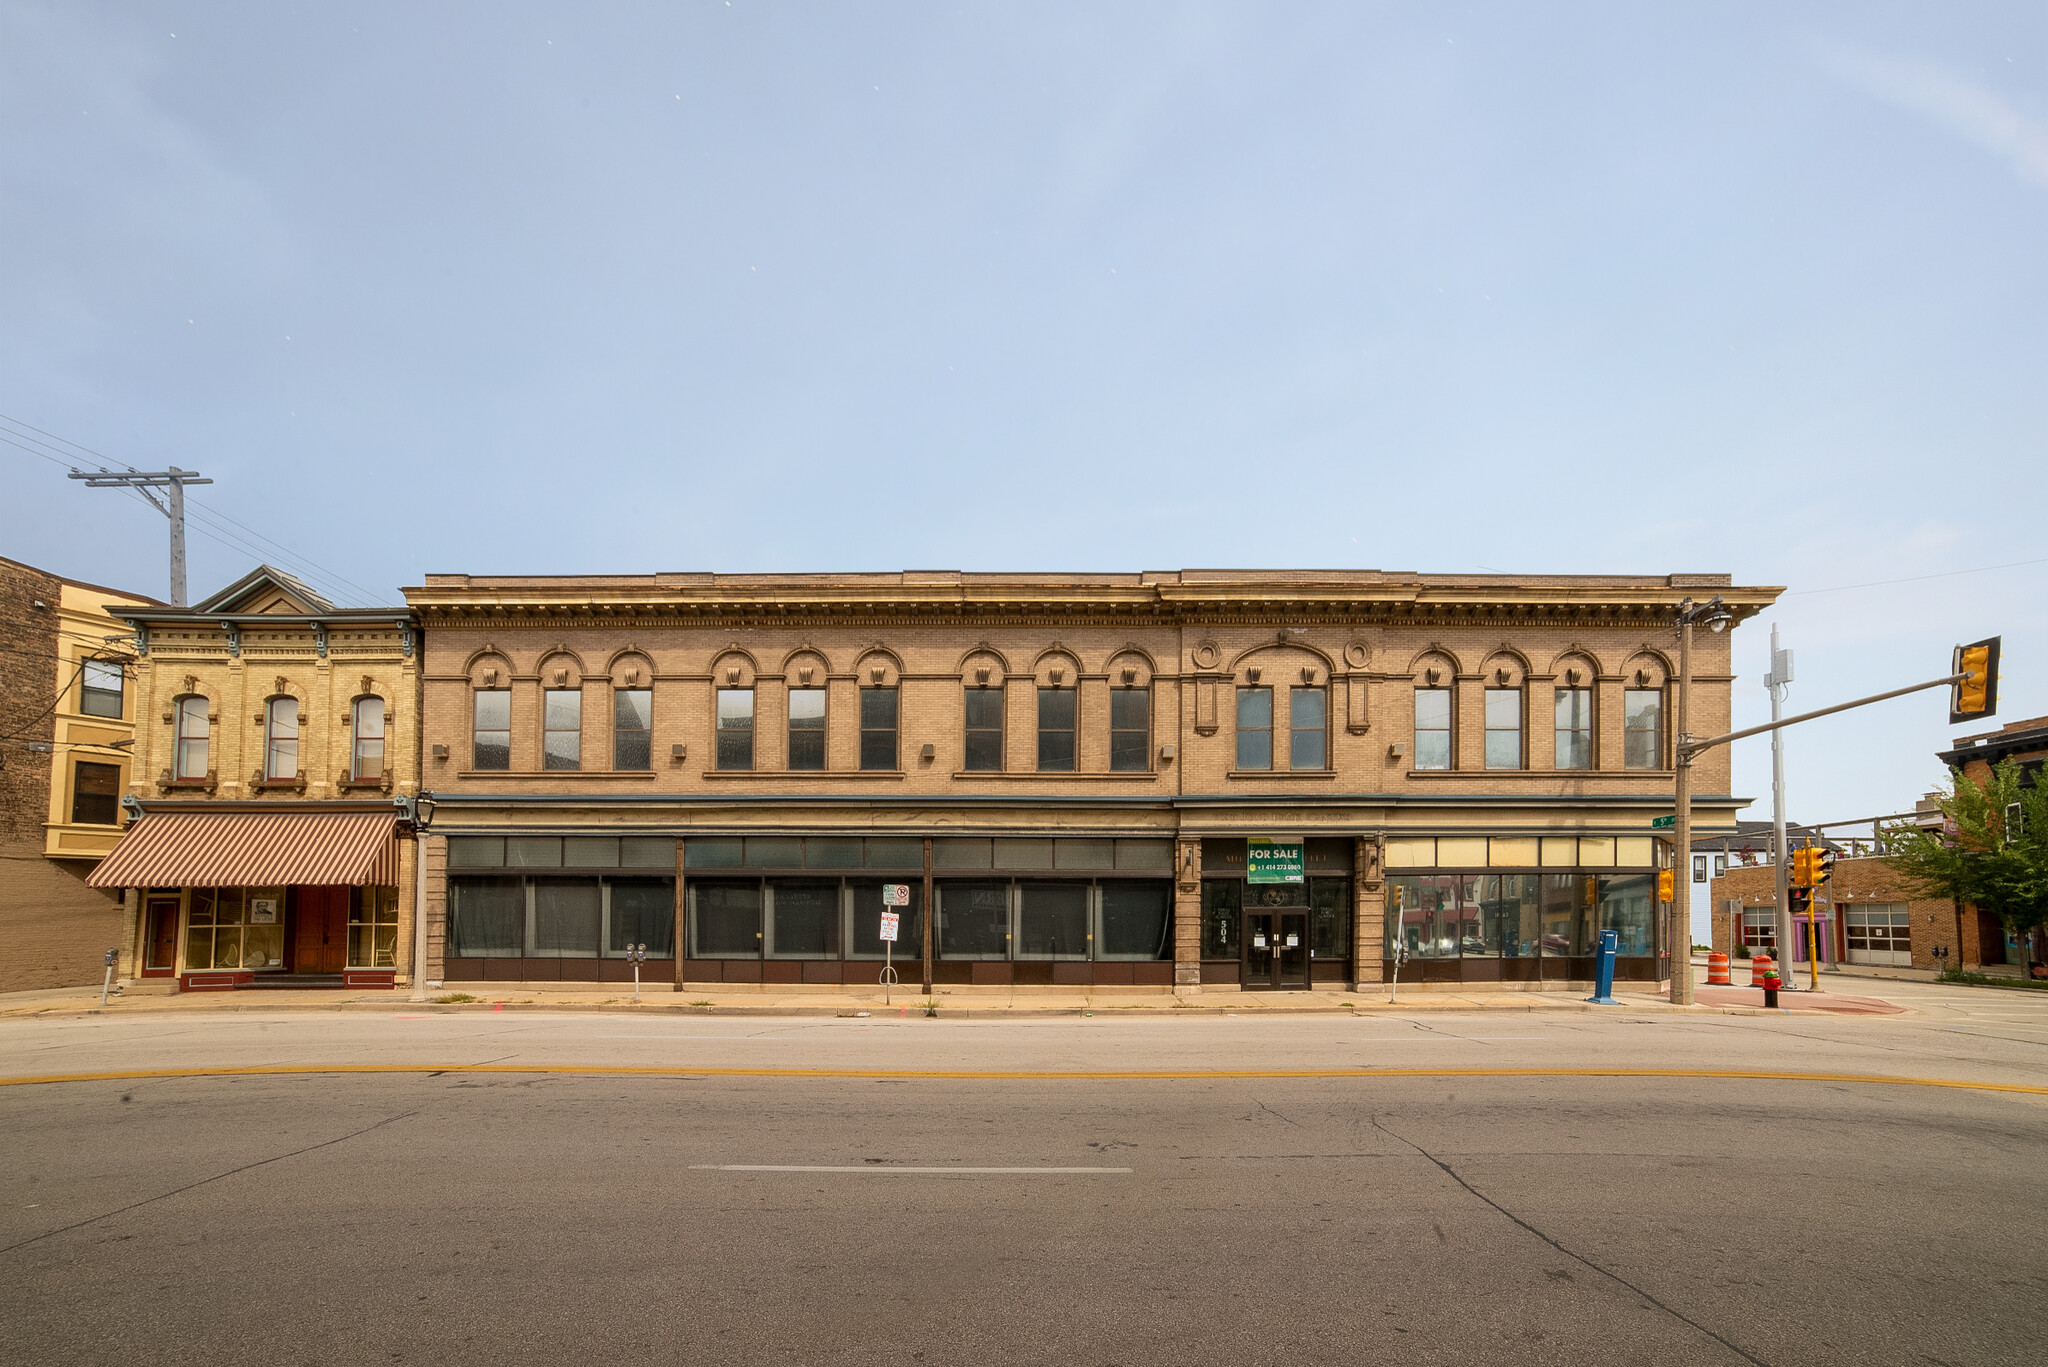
[1715,616]
[418,813]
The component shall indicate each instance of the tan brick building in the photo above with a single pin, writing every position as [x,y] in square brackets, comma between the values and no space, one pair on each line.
[1186,779]
[67,713]
[275,732]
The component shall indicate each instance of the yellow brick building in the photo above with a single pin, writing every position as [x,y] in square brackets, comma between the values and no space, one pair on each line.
[275,734]
[1186,780]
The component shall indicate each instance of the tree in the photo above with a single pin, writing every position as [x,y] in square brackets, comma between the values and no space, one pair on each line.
[1975,857]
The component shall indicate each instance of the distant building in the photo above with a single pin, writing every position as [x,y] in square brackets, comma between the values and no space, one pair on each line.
[67,713]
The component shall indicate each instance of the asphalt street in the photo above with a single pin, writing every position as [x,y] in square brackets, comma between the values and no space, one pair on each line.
[1395,1207]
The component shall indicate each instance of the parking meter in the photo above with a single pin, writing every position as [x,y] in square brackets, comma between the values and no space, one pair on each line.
[1603,975]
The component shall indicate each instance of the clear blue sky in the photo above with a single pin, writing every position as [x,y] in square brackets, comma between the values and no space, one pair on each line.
[1601,287]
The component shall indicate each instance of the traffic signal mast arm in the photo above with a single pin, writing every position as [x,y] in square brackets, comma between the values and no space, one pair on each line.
[1690,748]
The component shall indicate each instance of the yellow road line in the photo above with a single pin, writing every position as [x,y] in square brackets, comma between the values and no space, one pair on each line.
[1011,1075]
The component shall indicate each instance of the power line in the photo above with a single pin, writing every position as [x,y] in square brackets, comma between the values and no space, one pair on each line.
[297,562]
[1917,578]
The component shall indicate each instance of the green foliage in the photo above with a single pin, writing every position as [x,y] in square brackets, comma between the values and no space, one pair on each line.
[1957,975]
[2002,872]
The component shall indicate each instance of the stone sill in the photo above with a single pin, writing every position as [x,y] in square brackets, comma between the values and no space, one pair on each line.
[1281,773]
[1055,776]
[854,775]
[1544,775]
[551,774]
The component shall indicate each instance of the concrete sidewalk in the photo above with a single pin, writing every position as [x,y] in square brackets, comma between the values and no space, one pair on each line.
[952,1003]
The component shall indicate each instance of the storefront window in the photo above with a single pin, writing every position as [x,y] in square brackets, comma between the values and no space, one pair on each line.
[1566,914]
[974,921]
[235,928]
[864,915]
[725,920]
[801,917]
[1329,921]
[486,917]
[566,914]
[1137,921]
[1433,914]
[373,928]
[1510,914]
[1628,906]
[642,911]
[1222,917]
[1052,921]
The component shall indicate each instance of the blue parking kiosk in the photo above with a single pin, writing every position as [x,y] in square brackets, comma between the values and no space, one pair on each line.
[1603,972]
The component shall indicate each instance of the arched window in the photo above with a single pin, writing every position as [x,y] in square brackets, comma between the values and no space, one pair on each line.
[367,761]
[193,731]
[281,740]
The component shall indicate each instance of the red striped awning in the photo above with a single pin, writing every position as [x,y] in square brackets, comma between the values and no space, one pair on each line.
[253,850]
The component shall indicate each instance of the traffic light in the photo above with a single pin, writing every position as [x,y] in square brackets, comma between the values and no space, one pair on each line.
[1666,886]
[1976,697]
[1820,867]
[1800,898]
[1802,868]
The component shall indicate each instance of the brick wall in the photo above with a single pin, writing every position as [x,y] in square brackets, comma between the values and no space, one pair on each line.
[53,929]
[1869,880]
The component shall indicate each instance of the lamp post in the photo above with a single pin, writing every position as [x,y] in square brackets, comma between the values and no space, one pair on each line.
[419,814]
[1715,616]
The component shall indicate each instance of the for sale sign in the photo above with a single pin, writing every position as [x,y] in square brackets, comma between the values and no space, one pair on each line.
[1271,860]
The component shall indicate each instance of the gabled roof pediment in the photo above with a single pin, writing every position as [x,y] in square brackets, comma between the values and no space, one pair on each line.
[267,589]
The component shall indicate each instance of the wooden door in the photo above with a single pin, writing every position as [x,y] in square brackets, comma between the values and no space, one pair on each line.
[162,954]
[322,937]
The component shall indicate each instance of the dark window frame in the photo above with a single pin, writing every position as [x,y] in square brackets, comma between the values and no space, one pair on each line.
[1295,731]
[272,773]
[1130,747]
[812,733]
[879,742]
[1521,760]
[478,731]
[95,809]
[971,698]
[1585,726]
[729,740]
[187,709]
[1242,733]
[1632,734]
[358,748]
[632,746]
[1053,739]
[92,697]
[1449,730]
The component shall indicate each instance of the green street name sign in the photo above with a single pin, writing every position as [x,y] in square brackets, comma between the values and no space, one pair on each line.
[1663,823]
[1273,861]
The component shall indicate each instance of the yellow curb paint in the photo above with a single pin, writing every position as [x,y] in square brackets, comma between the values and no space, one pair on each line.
[1009,1075]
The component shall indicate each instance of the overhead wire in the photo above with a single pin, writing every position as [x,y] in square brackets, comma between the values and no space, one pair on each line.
[343,589]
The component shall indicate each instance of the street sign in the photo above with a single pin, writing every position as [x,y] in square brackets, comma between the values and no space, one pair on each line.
[895,894]
[1273,861]
[1663,823]
[889,923]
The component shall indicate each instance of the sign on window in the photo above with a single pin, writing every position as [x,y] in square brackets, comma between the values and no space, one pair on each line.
[1268,860]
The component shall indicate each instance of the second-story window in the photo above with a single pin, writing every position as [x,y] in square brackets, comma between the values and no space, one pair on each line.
[984,728]
[1503,728]
[806,728]
[1308,728]
[561,728]
[1130,730]
[99,688]
[1255,728]
[1574,728]
[194,730]
[96,794]
[491,736]
[735,728]
[1056,729]
[281,740]
[1432,728]
[878,728]
[366,763]
[632,728]
[1642,710]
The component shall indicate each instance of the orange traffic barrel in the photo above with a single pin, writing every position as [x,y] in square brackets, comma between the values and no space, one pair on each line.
[1717,970]
[1757,966]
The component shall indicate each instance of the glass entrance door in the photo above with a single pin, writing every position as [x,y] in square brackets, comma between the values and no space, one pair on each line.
[1275,949]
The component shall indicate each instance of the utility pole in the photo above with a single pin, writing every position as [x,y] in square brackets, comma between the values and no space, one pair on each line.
[173,481]
[1716,617]
[1776,681]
